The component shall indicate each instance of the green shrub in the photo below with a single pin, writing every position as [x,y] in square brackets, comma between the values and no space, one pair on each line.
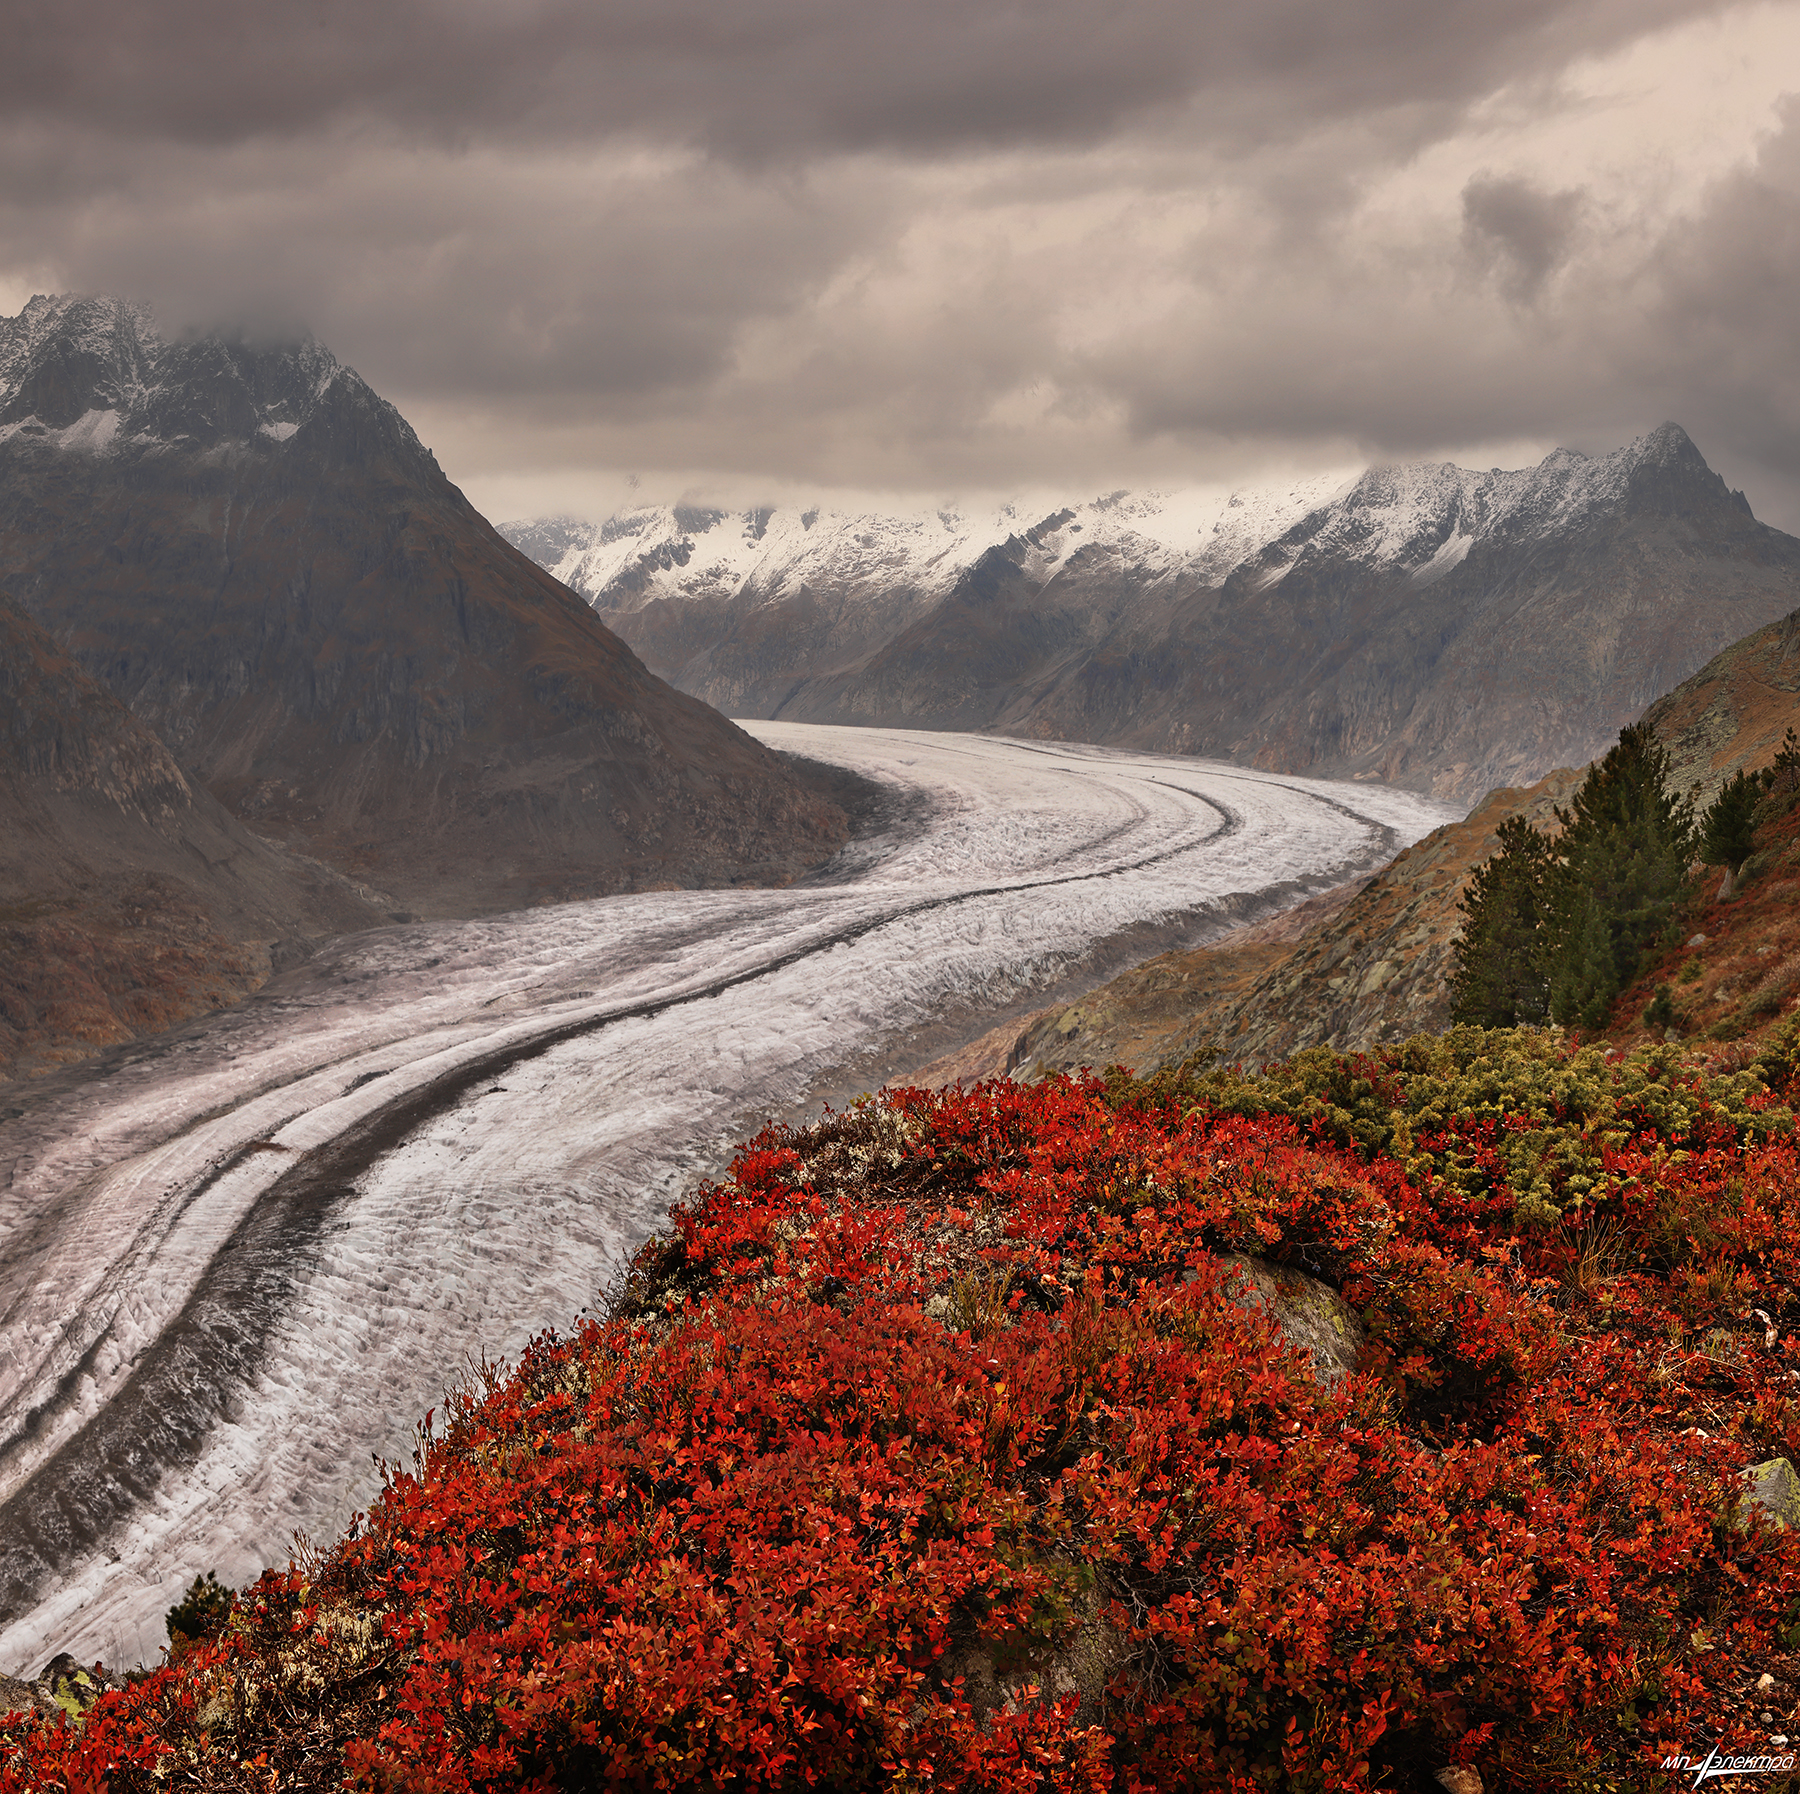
[1500,979]
[1728,829]
[1557,929]
[1625,849]
[1555,1110]
[201,1613]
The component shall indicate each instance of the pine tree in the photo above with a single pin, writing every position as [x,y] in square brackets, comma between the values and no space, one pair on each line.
[1783,777]
[1728,829]
[1625,848]
[1500,980]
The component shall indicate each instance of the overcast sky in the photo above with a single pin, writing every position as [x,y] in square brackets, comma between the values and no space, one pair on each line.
[948,248]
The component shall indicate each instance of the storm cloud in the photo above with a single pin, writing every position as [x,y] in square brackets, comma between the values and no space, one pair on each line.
[936,246]
[1519,230]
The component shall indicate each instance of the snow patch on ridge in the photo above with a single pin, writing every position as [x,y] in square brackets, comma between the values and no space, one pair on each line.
[1452,554]
[1422,519]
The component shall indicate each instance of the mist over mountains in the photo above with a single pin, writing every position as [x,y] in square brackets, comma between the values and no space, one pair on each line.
[255,553]
[1439,628]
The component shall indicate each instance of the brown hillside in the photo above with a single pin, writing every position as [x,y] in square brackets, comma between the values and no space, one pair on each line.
[1735,975]
[1733,712]
[129,899]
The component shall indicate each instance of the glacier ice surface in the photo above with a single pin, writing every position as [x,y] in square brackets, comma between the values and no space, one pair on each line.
[688,1015]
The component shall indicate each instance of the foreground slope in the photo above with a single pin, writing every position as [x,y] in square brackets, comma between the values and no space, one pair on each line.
[1317,1433]
[1445,629]
[255,552]
[129,899]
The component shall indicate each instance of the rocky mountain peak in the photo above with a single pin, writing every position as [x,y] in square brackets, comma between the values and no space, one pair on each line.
[95,375]
[252,550]
[1666,445]
[1667,476]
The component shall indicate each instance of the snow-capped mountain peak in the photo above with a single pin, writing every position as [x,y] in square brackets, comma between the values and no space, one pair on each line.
[635,556]
[95,375]
[1421,519]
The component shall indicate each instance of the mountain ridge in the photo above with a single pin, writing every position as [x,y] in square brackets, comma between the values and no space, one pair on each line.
[1434,626]
[256,553]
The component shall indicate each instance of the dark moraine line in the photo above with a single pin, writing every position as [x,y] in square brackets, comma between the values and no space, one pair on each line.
[183,1382]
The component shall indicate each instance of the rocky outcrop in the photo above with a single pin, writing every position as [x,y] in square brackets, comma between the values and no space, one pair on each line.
[1311,1316]
[255,552]
[64,1691]
[129,899]
[1771,1492]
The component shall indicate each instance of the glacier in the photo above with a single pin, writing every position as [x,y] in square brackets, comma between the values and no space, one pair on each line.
[237,1264]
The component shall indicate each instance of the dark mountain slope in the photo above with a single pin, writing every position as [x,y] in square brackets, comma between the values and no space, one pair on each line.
[1427,629]
[256,553]
[1445,629]
[129,900]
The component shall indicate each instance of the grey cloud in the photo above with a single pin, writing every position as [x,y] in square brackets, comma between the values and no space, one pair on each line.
[481,277]
[1519,232]
[685,236]
[1698,323]
[768,78]
[1721,328]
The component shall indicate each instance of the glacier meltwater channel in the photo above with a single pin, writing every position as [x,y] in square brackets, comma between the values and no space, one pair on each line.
[238,1263]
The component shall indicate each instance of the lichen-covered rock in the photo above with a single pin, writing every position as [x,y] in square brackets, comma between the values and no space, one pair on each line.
[65,1687]
[1310,1314]
[1775,1489]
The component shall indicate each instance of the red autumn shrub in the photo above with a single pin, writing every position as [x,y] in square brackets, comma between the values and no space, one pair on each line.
[939,1446]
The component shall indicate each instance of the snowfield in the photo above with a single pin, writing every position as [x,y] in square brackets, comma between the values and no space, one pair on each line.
[1421,518]
[243,1261]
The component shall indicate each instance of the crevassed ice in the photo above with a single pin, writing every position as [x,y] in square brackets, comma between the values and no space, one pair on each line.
[509,1208]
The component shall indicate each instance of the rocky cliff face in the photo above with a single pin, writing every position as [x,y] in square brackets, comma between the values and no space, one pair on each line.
[129,898]
[1449,630]
[1734,712]
[254,551]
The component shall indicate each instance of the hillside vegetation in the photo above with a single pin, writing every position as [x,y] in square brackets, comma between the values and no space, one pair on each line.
[1373,962]
[963,1441]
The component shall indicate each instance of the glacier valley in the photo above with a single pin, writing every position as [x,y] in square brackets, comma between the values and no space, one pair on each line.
[237,1264]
